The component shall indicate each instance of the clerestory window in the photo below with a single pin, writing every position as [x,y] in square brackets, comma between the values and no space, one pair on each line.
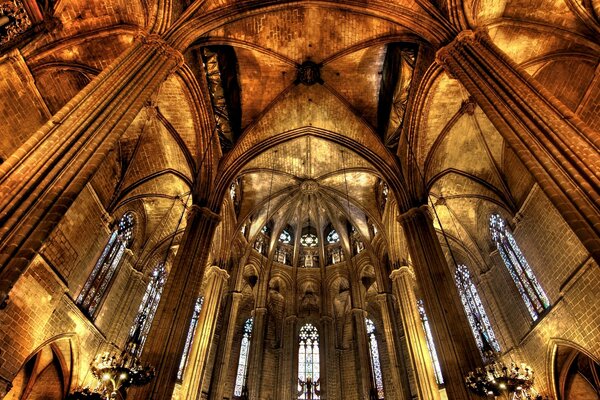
[531,291]
[99,280]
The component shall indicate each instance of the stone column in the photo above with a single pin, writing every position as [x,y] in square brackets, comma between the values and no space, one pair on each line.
[216,280]
[420,358]
[401,389]
[361,351]
[222,364]
[257,348]
[327,360]
[168,333]
[42,178]
[287,379]
[454,341]
[560,151]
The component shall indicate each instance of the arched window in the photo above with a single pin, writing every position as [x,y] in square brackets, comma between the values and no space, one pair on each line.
[375,364]
[97,283]
[478,319]
[285,237]
[333,237]
[430,344]
[143,320]
[240,379]
[190,337]
[308,363]
[532,293]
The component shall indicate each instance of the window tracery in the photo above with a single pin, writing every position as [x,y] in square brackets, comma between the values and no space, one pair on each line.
[521,273]
[190,337]
[240,380]
[308,363]
[285,237]
[478,319]
[98,281]
[333,237]
[375,363]
[147,310]
[309,240]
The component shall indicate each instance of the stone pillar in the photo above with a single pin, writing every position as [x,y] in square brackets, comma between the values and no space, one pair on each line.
[257,348]
[191,385]
[454,341]
[168,332]
[420,358]
[328,364]
[560,151]
[223,361]
[288,381]
[40,180]
[401,389]
[362,356]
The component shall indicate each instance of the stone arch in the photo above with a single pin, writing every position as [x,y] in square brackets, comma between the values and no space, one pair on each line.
[198,24]
[572,371]
[249,147]
[49,372]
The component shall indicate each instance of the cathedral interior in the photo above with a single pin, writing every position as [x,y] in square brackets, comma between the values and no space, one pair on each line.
[281,200]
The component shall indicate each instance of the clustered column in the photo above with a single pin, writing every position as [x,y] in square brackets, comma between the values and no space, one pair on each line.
[420,358]
[401,389]
[216,280]
[223,361]
[167,335]
[455,344]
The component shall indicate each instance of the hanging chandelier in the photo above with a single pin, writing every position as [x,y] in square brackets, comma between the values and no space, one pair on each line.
[499,379]
[114,373]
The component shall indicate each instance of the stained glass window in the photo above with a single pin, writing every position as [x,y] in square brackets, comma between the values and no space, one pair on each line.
[333,237]
[240,379]
[375,364]
[285,237]
[531,291]
[190,337]
[478,319]
[143,320]
[309,240]
[97,283]
[430,345]
[308,363]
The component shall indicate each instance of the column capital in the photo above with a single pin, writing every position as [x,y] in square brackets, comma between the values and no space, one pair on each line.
[404,270]
[215,272]
[382,297]
[162,46]
[259,311]
[326,319]
[415,211]
[204,212]
[290,319]
[467,36]
[237,296]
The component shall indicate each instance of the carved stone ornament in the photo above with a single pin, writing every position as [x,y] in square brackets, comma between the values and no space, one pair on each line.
[13,20]
[309,73]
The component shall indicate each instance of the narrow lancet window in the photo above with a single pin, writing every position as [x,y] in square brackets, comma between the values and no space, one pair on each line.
[478,319]
[143,320]
[430,344]
[97,284]
[531,291]
[375,364]
[190,337]
[308,363]
[242,370]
